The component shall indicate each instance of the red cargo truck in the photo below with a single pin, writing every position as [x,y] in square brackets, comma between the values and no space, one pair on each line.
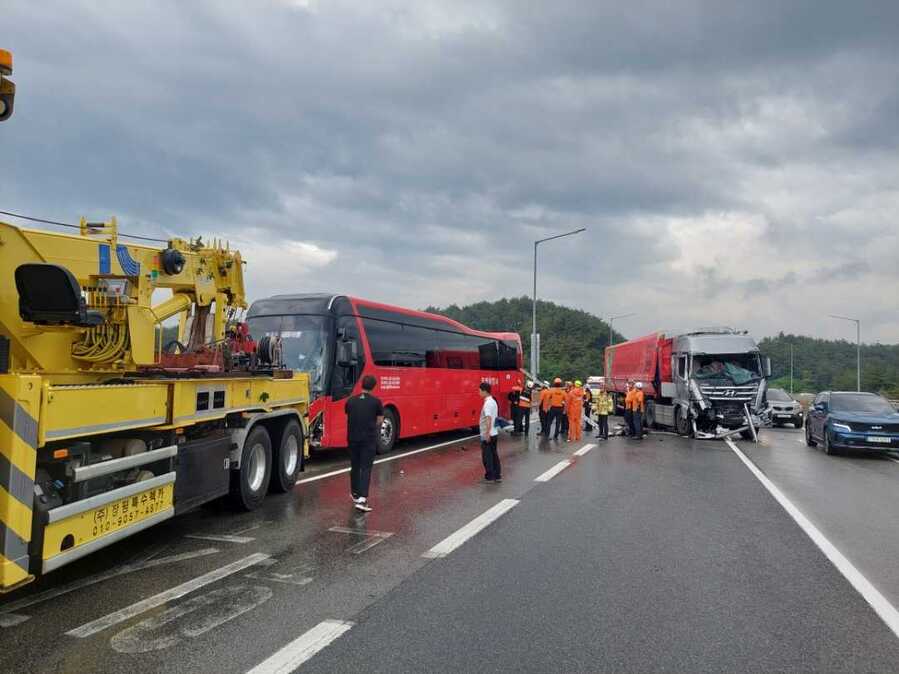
[708,383]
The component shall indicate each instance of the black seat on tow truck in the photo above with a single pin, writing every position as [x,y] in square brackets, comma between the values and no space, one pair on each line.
[49,294]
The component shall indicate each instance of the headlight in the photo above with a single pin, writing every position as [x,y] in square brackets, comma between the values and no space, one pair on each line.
[841,427]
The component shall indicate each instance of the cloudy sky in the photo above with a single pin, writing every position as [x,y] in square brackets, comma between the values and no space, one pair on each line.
[734,162]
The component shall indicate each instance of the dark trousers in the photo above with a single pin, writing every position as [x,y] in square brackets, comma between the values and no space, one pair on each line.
[362,457]
[492,469]
[564,424]
[543,421]
[602,430]
[555,416]
[629,421]
[638,423]
[587,409]
[516,417]
[525,419]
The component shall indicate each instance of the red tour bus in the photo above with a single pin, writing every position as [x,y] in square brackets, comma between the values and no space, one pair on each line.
[428,367]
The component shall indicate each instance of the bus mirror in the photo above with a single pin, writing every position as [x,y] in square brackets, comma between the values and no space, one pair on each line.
[767,366]
[347,353]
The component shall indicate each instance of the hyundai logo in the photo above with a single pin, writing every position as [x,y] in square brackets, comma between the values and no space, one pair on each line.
[730,393]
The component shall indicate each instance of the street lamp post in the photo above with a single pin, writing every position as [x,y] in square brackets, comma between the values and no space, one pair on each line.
[791,368]
[612,320]
[534,344]
[858,348]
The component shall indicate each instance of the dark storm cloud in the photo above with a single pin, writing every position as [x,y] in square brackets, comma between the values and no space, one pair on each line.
[420,148]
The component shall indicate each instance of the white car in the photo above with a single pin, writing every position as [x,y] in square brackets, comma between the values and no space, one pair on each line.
[783,408]
[594,383]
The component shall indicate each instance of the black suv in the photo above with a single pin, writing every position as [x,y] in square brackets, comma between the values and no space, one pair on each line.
[849,420]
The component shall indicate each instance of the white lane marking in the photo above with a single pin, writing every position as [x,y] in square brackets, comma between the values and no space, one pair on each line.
[453,541]
[303,648]
[190,619]
[552,472]
[341,471]
[7,620]
[224,538]
[176,592]
[369,540]
[583,450]
[863,586]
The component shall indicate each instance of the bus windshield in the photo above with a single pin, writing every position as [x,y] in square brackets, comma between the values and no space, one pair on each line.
[306,342]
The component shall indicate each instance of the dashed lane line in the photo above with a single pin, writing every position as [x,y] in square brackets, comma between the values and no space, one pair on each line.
[583,450]
[482,521]
[107,621]
[341,471]
[302,648]
[552,472]
[863,586]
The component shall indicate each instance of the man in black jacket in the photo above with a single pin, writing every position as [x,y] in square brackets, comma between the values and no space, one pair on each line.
[364,416]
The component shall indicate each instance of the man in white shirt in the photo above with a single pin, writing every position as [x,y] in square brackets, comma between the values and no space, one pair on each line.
[489,433]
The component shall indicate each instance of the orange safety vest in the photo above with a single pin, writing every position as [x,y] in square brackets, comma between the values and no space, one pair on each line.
[634,400]
[544,399]
[575,401]
[524,400]
[557,397]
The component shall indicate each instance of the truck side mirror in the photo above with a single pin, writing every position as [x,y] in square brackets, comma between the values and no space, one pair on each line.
[767,366]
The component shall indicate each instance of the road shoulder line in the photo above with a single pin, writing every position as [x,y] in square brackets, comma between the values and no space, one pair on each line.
[862,585]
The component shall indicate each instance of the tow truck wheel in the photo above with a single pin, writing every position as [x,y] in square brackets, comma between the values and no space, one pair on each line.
[250,483]
[387,432]
[288,458]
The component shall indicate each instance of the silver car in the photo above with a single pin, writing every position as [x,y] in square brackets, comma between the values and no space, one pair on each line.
[783,409]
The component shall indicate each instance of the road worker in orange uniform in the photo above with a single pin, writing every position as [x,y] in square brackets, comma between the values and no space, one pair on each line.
[575,412]
[638,407]
[629,408]
[544,407]
[557,399]
[524,406]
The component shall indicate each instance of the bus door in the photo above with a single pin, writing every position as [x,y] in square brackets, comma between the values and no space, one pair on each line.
[349,363]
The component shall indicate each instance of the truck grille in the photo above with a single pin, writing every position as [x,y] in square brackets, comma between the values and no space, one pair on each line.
[730,394]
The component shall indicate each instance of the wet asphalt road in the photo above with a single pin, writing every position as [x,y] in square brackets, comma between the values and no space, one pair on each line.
[661,555]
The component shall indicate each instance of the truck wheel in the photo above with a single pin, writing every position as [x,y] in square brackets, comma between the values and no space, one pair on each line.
[746,434]
[388,432]
[288,458]
[681,422]
[250,483]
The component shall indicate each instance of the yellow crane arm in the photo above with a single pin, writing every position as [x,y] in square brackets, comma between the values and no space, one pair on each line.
[75,302]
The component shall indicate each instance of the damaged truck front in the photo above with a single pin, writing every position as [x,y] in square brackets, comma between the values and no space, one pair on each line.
[708,383]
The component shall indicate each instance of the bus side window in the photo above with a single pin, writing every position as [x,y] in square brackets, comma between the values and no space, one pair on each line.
[345,376]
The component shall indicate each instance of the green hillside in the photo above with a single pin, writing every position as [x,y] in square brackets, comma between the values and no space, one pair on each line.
[820,364]
[572,340]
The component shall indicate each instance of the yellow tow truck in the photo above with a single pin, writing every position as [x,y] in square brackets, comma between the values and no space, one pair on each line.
[7,87]
[106,431]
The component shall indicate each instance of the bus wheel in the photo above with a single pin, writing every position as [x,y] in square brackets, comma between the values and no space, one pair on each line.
[387,433]
[287,459]
[250,483]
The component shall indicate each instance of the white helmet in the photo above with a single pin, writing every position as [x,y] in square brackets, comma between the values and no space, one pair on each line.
[639,384]
[530,384]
